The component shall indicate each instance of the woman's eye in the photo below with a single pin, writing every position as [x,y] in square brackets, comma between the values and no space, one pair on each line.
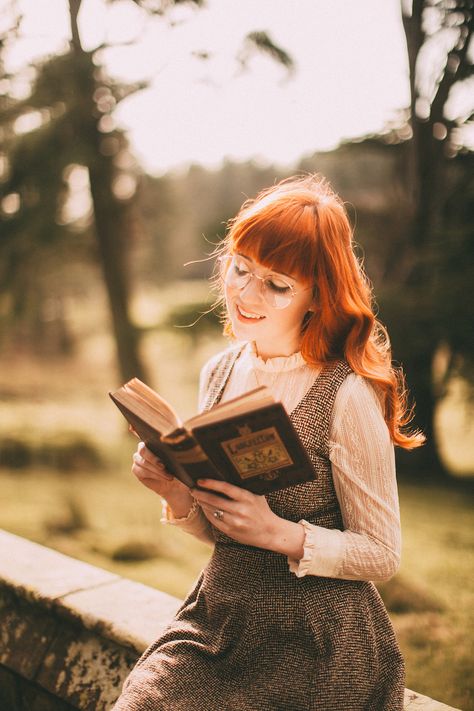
[240,269]
[279,286]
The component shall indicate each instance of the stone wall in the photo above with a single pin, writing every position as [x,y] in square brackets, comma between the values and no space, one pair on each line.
[70,632]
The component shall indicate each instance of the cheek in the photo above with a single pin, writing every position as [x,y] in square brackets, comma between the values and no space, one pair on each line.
[229,295]
[293,318]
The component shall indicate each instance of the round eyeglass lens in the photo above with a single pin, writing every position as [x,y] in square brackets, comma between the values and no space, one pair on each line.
[277,301]
[237,274]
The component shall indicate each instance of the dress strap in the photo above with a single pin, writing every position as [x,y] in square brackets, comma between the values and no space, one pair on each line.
[313,414]
[220,375]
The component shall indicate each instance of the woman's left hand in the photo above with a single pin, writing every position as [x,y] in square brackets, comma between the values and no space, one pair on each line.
[246,517]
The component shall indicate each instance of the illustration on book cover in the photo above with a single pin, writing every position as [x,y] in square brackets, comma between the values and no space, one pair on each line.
[253,453]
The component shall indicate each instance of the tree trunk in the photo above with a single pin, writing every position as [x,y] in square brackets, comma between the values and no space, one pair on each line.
[425,167]
[424,463]
[111,216]
[112,235]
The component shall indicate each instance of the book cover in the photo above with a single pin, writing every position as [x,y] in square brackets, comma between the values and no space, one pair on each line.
[259,450]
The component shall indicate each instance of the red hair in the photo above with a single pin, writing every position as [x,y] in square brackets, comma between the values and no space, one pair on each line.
[300,227]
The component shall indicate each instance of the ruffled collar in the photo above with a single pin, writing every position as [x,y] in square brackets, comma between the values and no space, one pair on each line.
[279,364]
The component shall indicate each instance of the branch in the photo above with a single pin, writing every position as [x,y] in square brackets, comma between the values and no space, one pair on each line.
[161,7]
[415,37]
[74,7]
[123,91]
[260,41]
[457,59]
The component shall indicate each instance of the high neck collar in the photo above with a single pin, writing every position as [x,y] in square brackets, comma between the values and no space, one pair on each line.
[277,364]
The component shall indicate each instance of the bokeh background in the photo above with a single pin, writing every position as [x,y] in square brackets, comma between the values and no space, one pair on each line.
[130,132]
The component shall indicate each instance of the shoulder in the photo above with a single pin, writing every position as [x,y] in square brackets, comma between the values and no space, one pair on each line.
[215,362]
[358,403]
[358,423]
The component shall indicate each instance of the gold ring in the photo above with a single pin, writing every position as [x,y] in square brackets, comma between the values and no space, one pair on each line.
[219,514]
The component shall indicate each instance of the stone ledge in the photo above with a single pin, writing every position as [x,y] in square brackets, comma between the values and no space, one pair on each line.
[70,632]
[418,702]
[69,628]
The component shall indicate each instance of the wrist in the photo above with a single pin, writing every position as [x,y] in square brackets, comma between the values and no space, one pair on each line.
[287,538]
[179,503]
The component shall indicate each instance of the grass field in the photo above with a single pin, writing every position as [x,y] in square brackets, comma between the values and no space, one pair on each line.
[99,513]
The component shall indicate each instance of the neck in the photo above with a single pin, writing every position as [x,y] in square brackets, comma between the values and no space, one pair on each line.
[265,352]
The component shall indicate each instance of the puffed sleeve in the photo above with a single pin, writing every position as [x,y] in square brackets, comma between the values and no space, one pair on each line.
[363,468]
[194,523]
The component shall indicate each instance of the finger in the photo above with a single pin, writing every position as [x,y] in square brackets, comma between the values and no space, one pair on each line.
[142,467]
[212,500]
[152,484]
[209,514]
[147,454]
[223,487]
[150,457]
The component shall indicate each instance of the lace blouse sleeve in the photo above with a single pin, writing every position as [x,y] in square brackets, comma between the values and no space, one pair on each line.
[363,467]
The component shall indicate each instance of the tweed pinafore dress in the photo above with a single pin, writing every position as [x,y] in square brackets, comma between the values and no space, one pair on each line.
[251,636]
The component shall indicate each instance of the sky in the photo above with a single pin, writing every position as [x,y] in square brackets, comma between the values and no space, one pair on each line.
[350,77]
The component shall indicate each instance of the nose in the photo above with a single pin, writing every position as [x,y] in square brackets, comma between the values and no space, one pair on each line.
[252,291]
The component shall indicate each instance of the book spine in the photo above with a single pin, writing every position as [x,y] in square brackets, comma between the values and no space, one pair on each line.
[190,455]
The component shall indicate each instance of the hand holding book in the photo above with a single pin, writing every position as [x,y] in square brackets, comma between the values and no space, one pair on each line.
[151,472]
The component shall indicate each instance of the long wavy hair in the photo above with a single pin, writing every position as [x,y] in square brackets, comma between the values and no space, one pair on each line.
[300,227]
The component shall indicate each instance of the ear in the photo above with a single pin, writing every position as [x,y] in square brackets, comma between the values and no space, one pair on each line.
[307,318]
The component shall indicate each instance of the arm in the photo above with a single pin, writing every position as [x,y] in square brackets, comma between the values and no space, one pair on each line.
[363,468]
[179,507]
[194,522]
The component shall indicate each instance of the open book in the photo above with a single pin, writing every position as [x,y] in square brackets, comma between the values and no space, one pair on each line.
[249,441]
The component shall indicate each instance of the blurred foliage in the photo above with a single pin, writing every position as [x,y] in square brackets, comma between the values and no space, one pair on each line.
[71,147]
[67,123]
[64,451]
[409,193]
[437,174]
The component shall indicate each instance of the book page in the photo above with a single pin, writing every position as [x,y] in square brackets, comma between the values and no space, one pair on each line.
[253,400]
[141,399]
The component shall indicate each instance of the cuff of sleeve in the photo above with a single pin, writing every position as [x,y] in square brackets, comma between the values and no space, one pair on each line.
[168,517]
[323,552]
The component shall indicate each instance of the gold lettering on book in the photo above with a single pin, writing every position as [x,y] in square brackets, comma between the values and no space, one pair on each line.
[257,453]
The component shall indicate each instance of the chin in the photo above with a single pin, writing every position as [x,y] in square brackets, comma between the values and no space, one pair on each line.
[241,332]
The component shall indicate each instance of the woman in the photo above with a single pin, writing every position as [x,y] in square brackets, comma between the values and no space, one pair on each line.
[285,615]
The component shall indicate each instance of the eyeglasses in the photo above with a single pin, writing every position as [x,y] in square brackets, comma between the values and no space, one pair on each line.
[276,291]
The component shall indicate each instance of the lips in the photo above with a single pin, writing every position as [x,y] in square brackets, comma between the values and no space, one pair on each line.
[247,316]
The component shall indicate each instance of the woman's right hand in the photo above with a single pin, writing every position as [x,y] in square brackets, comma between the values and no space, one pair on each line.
[151,472]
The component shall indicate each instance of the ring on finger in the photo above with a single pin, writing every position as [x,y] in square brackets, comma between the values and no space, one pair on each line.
[219,514]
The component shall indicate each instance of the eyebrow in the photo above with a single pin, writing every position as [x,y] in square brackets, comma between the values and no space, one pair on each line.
[272,271]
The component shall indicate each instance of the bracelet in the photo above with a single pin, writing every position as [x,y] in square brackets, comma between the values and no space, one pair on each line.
[191,512]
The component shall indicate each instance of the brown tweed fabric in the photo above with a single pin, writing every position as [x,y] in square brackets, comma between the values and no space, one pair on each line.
[251,636]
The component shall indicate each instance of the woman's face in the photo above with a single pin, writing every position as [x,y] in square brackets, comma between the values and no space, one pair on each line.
[275,331]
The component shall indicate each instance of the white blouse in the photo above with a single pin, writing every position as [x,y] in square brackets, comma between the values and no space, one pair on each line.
[363,468]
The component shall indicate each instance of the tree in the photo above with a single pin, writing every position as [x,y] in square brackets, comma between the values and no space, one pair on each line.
[83,133]
[437,173]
